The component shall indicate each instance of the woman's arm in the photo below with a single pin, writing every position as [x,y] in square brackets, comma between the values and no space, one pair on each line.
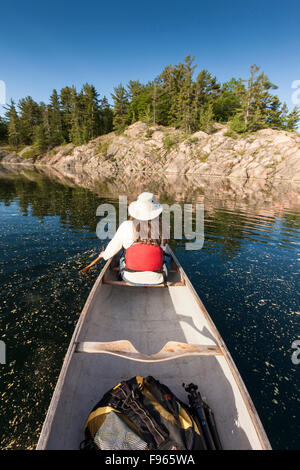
[124,233]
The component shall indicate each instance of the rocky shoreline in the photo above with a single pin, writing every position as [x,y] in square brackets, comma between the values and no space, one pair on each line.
[265,154]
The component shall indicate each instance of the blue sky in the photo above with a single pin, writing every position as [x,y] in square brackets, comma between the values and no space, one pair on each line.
[46,45]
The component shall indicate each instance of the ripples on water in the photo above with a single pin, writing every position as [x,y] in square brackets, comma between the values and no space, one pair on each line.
[247,275]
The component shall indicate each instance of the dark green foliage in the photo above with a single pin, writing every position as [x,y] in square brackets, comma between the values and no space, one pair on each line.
[106,116]
[69,117]
[227,103]
[206,118]
[14,126]
[173,98]
[121,108]
[185,97]
[230,133]
[275,113]
[170,141]
[90,114]
[30,116]
[66,102]
[207,90]
[140,108]
[292,119]
[55,120]
[41,139]
[259,108]
[75,119]
[135,88]
[3,130]
[238,125]
[32,154]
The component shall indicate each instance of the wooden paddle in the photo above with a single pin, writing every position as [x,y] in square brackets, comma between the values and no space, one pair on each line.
[92,263]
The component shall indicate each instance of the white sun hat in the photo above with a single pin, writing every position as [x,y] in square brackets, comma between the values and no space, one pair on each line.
[145,207]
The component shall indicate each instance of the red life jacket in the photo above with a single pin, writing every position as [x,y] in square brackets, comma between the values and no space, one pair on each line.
[144,257]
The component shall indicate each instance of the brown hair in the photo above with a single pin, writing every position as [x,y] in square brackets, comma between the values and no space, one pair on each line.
[149,231]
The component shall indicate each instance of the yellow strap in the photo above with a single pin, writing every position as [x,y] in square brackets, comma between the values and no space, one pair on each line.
[185,420]
[159,408]
[104,410]
[117,386]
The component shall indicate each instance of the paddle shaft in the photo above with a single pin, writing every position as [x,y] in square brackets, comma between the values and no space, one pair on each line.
[92,264]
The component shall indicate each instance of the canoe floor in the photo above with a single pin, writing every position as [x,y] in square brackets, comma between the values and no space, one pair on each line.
[148,318]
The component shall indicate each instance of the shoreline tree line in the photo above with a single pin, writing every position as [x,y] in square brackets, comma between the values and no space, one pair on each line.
[174,98]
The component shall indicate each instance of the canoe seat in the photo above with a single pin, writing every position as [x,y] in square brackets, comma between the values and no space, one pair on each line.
[125,349]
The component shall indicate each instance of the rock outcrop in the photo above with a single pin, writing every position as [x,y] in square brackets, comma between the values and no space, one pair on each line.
[264,154]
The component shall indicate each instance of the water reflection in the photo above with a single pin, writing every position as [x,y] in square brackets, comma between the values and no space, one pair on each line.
[262,195]
[227,202]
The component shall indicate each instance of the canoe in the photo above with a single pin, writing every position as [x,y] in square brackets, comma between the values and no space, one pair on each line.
[164,331]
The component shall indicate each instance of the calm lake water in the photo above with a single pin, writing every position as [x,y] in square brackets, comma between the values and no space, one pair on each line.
[247,275]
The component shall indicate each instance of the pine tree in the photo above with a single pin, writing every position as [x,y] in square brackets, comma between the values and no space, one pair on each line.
[3,130]
[256,100]
[42,131]
[141,108]
[292,119]
[14,127]
[228,103]
[90,112]
[171,79]
[136,99]
[206,91]
[148,115]
[237,124]
[121,108]
[135,88]
[30,116]
[206,118]
[75,121]
[284,111]
[106,116]
[40,140]
[159,99]
[175,117]
[274,114]
[154,101]
[186,97]
[55,120]
[66,109]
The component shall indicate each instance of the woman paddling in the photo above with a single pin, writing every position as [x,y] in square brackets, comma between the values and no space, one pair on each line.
[141,237]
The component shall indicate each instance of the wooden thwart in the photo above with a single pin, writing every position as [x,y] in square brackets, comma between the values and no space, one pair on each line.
[117,268]
[123,283]
[124,348]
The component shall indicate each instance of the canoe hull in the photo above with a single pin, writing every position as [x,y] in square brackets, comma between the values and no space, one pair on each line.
[148,318]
